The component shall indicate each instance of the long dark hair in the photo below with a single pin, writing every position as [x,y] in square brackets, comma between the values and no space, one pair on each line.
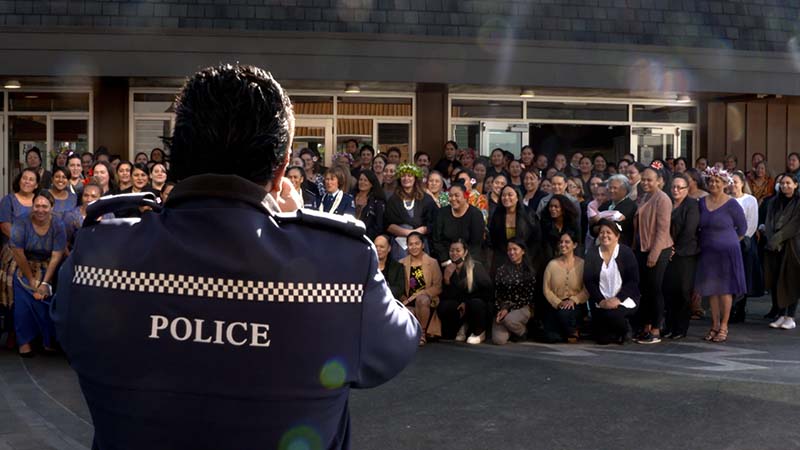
[527,265]
[376,191]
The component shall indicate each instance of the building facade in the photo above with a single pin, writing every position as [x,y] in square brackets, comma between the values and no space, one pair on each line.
[657,78]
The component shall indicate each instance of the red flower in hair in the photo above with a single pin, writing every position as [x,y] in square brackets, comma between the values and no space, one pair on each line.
[657,165]
[89,178]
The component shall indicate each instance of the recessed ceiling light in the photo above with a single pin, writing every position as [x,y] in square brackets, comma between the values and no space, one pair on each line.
[12,84]
[527,93]
[684,99]
[352,88]
[31,96]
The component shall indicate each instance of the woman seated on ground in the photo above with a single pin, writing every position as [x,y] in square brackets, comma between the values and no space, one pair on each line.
[564,291]
[466,289]
[392,270]
[423,284]
[611,276]
[515,284]
[38,243]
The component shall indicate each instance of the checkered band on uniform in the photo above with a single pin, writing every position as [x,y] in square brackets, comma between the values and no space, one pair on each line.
[219,288]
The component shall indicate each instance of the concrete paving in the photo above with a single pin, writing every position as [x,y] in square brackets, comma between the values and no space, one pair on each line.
[690,394]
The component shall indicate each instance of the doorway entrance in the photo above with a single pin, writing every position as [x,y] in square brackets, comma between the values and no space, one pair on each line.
[316,134]
[649,143]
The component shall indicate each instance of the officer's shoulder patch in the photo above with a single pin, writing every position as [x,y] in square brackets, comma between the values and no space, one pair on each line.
[114,203]
[346,224]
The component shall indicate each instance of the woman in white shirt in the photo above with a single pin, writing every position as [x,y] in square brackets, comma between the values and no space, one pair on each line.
[611,276]
[740,191]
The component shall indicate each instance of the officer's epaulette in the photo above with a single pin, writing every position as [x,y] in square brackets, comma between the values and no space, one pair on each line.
[114,203]
[347,224]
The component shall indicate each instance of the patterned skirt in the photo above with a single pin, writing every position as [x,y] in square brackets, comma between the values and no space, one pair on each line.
[8,268]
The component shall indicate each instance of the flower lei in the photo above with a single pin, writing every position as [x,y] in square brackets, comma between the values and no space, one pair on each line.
[405,168]
[712,171]
[349,157]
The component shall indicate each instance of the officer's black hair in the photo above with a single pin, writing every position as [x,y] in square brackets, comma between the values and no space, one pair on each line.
[46,194]
[231,119]
[15,185]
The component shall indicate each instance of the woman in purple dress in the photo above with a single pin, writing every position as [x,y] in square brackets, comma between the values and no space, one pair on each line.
[720,271]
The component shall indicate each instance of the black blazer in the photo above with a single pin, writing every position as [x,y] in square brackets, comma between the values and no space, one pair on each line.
[395,274]
[447,229]
[683,228]
[628,268]
[372,216]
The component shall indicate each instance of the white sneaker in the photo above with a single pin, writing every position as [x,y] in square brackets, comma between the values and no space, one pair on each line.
[473,339]
[461,336]
[788,324]
[779,322]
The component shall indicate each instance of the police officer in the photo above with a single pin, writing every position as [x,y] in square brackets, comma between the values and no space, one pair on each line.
[222,322]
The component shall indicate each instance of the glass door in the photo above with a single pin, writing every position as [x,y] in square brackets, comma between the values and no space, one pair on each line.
[316,134]
[508,136]
[649,144]
[24,133]
[69,135]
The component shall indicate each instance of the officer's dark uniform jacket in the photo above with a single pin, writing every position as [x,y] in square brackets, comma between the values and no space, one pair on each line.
[217,324]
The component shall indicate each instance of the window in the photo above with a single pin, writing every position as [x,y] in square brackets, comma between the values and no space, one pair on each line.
[150,133]
[487,109]
[467,136]
[395,135]
[147,103]
[578,111]
[48,101]
[665,114]
[374,106]
[312,105]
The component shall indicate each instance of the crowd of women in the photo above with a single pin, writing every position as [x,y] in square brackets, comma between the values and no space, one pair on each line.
[38,220]
[508,248]
[479,248]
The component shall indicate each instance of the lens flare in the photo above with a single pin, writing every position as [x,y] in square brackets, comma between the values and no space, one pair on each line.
[301,437]
[333,374]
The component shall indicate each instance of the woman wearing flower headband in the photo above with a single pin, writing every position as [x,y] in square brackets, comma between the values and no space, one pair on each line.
[345,161]
[720,272]
[409,209]
[467,158]
[313,169]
